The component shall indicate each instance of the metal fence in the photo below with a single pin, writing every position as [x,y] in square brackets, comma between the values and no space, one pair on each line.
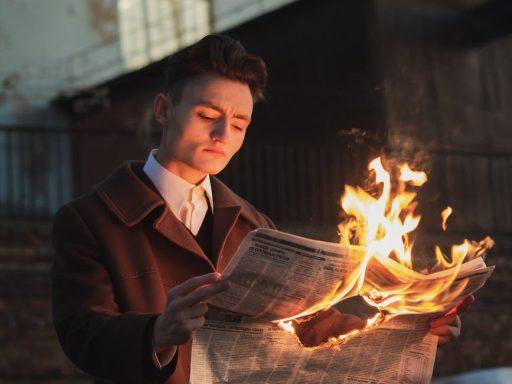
[35,171]
[292,180]
[296,181]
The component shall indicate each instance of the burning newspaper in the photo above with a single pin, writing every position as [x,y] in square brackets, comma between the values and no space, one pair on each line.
[276,275]
[235,349]
[307,311]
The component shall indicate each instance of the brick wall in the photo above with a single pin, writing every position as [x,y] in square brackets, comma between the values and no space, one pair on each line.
[29,349]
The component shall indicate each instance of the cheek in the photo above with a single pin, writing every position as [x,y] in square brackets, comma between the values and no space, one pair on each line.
[187,133]
[236,144]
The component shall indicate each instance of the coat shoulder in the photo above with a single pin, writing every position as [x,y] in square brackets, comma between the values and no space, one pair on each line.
[225,196]
[263,220]
[75,213]
[81,205]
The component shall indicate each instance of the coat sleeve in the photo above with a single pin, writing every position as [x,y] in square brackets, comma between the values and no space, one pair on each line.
[92,332]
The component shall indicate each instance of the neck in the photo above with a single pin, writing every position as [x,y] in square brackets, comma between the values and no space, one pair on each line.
[180,169]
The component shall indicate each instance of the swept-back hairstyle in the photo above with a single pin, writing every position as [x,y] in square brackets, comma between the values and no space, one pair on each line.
[216,54]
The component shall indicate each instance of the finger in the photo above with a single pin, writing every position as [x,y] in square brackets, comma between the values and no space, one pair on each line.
[440,331]
[462,306]
[203,293]
[443,340]
[197,310]
[195,323]
[445,330]
[444,320]
[465,304]
[192,284]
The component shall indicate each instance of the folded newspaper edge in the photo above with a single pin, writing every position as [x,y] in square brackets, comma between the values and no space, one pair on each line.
[276,275]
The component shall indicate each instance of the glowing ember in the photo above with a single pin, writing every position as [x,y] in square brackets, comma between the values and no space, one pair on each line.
[287,326]
[379,227]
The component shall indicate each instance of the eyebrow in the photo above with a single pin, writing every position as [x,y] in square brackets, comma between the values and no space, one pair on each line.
[221,110]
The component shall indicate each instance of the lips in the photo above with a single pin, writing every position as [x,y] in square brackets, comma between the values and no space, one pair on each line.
[216,151]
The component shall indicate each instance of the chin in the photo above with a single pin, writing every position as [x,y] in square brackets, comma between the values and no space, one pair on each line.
[209,164]
[211,168]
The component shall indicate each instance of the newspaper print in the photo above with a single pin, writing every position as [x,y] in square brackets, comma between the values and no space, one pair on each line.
[238,350]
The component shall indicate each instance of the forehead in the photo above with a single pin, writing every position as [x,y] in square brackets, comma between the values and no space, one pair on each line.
[231,95]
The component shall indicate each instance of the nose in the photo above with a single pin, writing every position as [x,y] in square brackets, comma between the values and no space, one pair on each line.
[221,131]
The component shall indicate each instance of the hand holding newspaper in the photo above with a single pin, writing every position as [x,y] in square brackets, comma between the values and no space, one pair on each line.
[276,275]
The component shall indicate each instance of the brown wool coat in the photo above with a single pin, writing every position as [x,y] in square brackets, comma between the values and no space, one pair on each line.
[118,250]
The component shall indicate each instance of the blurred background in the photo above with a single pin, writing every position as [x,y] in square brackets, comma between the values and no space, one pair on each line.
[429,81]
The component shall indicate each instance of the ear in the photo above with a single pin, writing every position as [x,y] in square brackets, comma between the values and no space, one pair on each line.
[160,108]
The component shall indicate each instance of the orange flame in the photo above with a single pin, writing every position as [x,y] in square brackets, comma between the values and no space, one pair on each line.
[416,178]
[379,227]
[445,214]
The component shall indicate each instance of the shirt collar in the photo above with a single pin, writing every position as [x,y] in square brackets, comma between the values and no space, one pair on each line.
[173,188]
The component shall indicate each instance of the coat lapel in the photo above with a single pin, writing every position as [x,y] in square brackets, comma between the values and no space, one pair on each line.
[131,196]
[171,228]
[227,208]
[223,222]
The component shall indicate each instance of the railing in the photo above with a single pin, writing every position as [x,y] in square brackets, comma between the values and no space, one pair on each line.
[295,182]
[35,171]
[41,169]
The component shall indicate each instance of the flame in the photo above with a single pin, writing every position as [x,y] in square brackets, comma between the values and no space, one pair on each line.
[445,214]
[385,278]
[287,326]
[416,178]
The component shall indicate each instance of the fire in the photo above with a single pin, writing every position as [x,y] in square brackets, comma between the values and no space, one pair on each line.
[445,214]
[416,178]
[385,278]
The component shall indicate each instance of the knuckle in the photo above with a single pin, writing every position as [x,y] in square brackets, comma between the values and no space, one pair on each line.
[183,318]
[189,326]
[171,295]
[195,280]
[183,329]
[177,302]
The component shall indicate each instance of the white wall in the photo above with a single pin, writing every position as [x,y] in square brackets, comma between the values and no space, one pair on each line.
[37,40]
[50,47]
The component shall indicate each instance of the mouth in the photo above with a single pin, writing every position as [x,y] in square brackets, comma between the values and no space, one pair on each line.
[215,151]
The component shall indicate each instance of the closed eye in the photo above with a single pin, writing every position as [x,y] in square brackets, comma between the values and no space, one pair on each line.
[206,117]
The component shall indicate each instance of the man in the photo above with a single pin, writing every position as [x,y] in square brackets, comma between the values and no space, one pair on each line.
[137,258]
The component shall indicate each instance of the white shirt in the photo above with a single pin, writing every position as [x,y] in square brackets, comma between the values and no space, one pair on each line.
[187,201]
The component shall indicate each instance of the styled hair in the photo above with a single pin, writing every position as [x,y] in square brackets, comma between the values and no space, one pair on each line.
[215,54]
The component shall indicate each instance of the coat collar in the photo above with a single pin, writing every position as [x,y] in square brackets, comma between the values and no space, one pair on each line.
[131,196]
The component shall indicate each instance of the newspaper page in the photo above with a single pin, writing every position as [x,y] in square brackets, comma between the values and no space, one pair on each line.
[455,283]
[233,349]
[275,275]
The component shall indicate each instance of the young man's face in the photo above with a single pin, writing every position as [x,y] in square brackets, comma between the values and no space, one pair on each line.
[206,127]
